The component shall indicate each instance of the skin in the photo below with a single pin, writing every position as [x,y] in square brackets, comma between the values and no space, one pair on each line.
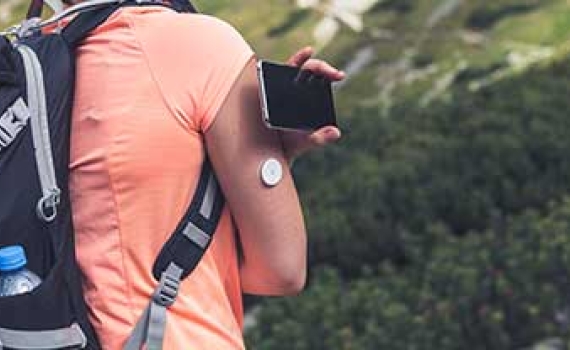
[269,220]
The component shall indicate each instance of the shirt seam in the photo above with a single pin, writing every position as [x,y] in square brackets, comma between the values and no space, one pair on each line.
[125,275]
[188,128]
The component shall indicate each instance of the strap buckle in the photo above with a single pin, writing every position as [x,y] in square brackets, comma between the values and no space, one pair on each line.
[166,293]
[28,27]
[51,201]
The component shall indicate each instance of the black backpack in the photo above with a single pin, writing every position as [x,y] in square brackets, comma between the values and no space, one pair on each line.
[37,74]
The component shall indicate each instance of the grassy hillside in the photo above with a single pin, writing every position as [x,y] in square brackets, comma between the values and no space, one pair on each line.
[410,50]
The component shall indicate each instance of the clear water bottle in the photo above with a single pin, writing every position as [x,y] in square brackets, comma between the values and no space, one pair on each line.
[14,277]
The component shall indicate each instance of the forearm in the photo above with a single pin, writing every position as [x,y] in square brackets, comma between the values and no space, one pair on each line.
[274,243]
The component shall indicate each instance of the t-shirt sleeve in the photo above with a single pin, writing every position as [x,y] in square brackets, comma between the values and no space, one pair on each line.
[195,60]
[228,57]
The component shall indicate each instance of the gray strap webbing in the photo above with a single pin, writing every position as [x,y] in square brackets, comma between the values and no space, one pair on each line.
[196,235]
[47,205]
[149,330]
[70,337]
[208,202]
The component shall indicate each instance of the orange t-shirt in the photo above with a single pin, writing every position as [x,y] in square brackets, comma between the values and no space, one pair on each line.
[149,83]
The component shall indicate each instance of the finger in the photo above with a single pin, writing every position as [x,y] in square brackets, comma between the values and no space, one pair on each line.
[301,56]
[325,135]
[322,68]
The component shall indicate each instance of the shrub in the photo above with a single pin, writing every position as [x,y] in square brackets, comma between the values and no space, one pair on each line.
[505,288]
[498,152]
[486,15]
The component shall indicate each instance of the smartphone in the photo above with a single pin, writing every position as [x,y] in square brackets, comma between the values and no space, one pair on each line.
[294,99]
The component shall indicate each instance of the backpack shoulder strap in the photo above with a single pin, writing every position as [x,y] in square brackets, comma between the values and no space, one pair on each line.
[195,231]
[183,6]
[93,16]
[86,21]
[178,258]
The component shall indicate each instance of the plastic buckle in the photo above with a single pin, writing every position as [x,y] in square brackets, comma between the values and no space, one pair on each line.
[28,27]
[50,201]
[166,293]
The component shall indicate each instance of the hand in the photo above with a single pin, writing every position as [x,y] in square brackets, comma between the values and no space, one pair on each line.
[296,143]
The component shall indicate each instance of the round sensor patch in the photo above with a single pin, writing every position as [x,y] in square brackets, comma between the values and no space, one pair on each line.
[271,172]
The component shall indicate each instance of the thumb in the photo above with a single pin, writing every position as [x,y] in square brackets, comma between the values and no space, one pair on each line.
[325,135]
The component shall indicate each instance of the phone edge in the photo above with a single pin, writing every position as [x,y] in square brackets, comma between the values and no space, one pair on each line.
[263,94]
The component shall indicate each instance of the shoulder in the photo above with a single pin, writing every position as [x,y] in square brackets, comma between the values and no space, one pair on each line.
[194,58]
[184,26]
[216,25]
[211,30]
[214,30]
[182,33]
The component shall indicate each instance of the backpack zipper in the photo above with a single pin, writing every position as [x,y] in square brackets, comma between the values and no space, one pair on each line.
[46,208]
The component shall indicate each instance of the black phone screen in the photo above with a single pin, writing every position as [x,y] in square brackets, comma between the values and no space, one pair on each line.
[294,98]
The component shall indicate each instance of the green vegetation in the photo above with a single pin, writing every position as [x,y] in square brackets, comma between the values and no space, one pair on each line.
[443,226]
[504,288]
[486,15]
[440,229]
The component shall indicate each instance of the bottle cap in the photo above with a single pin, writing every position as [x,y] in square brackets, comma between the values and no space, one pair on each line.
[12,258]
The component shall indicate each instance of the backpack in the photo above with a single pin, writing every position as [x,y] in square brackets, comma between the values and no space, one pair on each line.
[37,74]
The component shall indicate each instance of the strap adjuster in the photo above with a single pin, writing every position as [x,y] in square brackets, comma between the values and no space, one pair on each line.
[149,329]
[46,209]
[166,293]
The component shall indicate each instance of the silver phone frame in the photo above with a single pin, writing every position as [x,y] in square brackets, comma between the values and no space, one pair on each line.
[263,99]
[262,94]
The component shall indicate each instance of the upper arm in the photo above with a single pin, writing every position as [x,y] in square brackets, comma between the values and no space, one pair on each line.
[269,219]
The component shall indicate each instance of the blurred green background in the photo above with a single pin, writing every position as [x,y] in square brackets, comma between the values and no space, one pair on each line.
[442,219]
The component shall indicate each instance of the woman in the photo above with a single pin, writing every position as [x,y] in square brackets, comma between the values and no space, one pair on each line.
[157,90]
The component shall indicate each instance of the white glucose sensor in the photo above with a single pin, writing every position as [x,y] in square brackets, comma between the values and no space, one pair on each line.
[271,172]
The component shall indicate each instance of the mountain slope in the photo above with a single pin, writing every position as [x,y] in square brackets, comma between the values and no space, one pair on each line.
[407,50]
[412,50]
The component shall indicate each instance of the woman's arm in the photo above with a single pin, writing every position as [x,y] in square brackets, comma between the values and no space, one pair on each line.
[269,219]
